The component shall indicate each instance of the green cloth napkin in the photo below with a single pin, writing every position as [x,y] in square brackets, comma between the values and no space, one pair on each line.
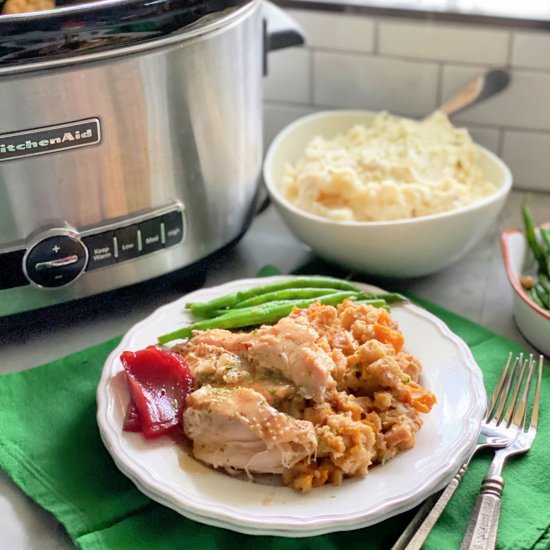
[51,448]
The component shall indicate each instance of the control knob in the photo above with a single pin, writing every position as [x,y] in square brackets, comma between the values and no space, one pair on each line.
[55,259]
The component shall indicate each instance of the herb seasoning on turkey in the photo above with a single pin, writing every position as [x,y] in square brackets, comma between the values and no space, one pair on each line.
[322,395]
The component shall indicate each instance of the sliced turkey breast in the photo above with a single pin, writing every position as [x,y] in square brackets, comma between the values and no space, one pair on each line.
[237,428]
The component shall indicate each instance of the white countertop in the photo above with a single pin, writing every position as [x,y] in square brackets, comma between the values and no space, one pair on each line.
[475,287]
[477,11]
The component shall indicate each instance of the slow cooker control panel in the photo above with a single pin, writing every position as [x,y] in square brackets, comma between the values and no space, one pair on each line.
[59,256]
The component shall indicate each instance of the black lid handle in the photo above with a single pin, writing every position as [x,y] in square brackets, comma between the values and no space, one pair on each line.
[282,31]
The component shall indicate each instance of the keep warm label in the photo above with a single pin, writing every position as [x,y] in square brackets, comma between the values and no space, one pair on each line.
[101,250]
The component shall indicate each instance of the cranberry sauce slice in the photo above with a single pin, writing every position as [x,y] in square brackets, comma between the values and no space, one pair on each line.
[159,382]
[132,421]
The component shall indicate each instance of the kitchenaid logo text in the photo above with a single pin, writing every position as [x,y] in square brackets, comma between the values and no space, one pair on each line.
[49,139]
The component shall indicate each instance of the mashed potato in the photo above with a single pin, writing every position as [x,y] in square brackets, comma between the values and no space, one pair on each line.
[395,168]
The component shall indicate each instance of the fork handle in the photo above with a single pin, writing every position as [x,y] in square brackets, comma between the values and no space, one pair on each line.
[420,526]
[481,533]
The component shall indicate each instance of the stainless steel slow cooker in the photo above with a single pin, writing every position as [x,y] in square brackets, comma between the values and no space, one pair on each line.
[130,140]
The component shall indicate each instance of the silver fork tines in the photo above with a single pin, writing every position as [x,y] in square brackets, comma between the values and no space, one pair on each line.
[505,378]
[498,429]
[483,524]
[512,384]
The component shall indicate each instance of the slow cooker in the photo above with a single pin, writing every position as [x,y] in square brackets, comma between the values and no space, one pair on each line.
[130,140]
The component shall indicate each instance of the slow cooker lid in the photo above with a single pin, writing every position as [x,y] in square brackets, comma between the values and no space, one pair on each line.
[74,28]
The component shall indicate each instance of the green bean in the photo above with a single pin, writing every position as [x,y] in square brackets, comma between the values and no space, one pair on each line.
[531,236]
[355,296]
[329,299]
[544,280]
[389,297]
[288,294]
[540,246]
[543,294]
[255,315]
[205,309]
[271,312]
[377,300]
[535,297]
[545,236]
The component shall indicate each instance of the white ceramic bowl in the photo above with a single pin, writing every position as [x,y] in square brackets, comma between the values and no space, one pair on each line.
[402,248]
[532,320]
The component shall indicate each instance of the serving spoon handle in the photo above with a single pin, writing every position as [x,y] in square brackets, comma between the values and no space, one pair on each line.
[478,90]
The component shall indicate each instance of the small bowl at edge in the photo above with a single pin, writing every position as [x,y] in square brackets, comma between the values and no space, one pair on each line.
[532,320]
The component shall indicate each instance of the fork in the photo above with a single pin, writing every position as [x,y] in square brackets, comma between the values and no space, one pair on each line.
[482,528]
[496,431]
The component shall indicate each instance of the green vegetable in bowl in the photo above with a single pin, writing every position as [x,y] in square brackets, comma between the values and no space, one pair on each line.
[538,287]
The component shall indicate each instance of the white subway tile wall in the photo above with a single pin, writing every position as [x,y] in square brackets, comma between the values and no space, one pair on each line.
[409,67]
[528,156]
[443,42]
[524,104]
[278,116]
[531,50]
[288,76]
[487,137]
[372,82]
[336,32]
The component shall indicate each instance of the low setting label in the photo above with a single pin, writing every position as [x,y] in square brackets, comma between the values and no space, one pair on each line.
[50,139]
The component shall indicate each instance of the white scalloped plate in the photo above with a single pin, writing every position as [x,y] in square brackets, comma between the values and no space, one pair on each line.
[163,471]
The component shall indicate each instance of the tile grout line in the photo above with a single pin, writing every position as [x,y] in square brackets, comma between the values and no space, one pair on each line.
[404,58]
[473,125]
[311,77]
[500,143]
[510,49]
[469,124]
[439,85]
[434,61]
